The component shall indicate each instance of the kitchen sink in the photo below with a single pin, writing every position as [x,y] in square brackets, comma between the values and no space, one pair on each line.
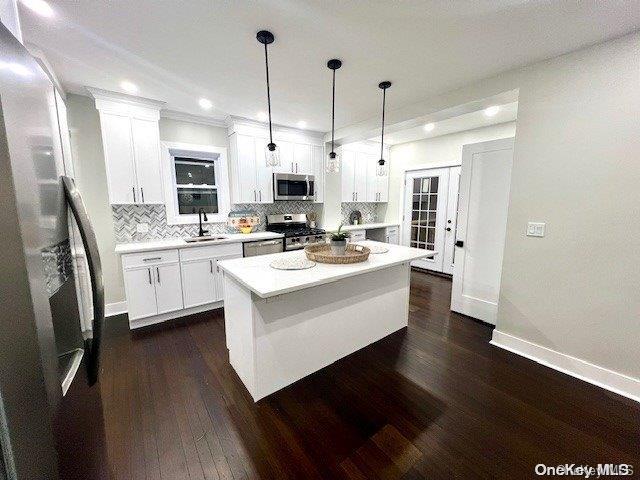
[206,238]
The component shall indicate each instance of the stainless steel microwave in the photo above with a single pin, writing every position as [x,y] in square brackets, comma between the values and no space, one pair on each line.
[293,186]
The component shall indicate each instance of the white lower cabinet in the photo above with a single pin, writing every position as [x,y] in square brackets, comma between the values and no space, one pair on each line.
[391,235]
[168,288]
[166,284]
[152,283]
[141,293]
[200,276]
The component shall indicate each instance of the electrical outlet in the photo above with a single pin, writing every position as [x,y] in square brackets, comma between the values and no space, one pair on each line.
[142,228]
[535,229]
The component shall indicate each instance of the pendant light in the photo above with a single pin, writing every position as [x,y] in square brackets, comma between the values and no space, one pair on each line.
[333,161]
[382,169]
[272,151]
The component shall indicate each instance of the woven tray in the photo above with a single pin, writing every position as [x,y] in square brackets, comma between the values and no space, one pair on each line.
[321,252]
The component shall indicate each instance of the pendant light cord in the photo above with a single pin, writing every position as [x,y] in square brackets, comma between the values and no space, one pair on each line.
[266,63]
[333,109]
[384,99]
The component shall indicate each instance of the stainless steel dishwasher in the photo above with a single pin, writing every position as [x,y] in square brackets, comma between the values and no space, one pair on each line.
[262,247]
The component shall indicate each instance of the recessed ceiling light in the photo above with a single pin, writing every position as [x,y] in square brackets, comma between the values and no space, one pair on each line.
[128,86]
[204,103]
[262,116]
[491,111]
[39,6]
[302,124]
[429,126]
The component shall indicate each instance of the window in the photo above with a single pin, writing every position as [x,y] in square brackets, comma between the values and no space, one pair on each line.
[195,178]
[196,185]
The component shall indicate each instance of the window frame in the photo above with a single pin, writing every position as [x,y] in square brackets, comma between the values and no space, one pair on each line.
[170,150]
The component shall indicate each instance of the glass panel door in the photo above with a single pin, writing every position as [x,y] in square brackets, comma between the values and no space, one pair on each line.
[425,207]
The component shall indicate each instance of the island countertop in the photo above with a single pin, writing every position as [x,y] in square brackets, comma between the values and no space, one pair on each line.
[255,274]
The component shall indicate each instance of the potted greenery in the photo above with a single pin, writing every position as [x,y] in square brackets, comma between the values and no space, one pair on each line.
[338,241]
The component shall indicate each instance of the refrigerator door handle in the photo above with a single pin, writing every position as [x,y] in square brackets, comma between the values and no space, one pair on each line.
[91,345]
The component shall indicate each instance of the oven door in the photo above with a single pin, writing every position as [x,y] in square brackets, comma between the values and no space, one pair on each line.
[288,186]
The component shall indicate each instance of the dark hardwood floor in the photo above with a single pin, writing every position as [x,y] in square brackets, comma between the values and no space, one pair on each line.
[432,401]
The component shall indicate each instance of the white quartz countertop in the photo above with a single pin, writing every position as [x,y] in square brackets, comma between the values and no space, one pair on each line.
[366,226]
[171,243]
[255,274]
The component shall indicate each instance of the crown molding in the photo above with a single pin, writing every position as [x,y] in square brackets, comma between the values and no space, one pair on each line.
[99,94]
[232,121]
[191,118]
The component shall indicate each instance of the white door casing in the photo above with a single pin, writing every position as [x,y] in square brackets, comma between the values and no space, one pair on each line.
[482,218]
[448,254]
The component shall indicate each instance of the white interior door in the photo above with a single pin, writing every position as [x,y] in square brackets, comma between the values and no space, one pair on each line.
[482,219]
[425,214]
[448,257]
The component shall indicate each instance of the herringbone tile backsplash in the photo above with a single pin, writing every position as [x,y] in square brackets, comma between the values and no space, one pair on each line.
[127,217]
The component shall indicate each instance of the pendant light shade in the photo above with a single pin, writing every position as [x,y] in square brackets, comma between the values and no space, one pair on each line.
[272,151]
[382,168]
[333,160]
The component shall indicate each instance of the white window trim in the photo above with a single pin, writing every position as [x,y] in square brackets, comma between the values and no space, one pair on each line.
[169,150]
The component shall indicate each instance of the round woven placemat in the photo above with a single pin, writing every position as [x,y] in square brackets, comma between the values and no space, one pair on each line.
[322,253]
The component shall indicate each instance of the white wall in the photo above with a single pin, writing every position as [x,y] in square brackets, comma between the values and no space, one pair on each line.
[576,167]
[435,152]
[84,123]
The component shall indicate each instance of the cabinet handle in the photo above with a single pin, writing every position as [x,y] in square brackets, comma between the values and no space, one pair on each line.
[133,189]
[254,196]
[217,269]
[151,259]
[142,193]
[211,266]
[149,271]
[158,273]
[260,195]
[292,168]
[356,196]
[296,167]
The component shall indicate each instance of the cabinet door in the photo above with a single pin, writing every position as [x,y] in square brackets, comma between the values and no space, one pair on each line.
[219,275]
[146,152]
[382,188]
[361,176]
[372,178]
[141,293]
[302,158]
[348,172]
[118,152]
[287,164]
[317,157]
[246,169]
[264,174]
[168,287]
[198,277]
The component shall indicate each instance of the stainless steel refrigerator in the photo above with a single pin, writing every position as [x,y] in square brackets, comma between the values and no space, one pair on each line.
[51,423]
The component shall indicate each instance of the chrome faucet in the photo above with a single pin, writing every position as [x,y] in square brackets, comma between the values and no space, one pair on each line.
[201,213]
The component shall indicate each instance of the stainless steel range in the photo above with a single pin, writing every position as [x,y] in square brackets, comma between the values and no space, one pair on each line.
[297,234]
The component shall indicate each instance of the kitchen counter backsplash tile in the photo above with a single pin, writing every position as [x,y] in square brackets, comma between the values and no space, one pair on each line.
[127,217]
[369,211]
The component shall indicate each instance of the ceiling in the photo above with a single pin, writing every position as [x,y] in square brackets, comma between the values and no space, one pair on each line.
[180,51]
[459,123]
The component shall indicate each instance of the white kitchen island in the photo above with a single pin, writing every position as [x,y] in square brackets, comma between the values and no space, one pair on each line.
[282,325]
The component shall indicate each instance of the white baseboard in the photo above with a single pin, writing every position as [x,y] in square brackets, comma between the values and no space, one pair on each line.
[116,308]
[602,377]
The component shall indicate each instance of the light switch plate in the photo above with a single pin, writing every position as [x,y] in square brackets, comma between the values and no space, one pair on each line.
[535,229]
[142,228]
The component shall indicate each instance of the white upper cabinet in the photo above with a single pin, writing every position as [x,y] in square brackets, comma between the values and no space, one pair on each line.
[252,180]
[131,142]
[360,182]
[146,153]
[118,153]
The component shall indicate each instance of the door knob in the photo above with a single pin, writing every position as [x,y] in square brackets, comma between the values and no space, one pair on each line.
[448,229]
[459,243]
